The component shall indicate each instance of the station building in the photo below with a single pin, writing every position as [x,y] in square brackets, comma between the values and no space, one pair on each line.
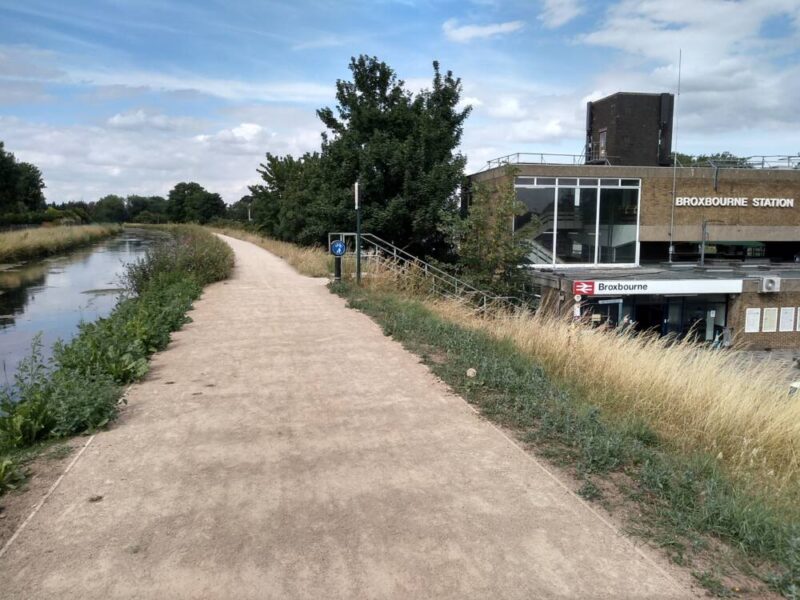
[621,233]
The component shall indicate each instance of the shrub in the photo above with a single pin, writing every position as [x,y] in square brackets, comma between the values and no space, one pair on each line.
[82,403]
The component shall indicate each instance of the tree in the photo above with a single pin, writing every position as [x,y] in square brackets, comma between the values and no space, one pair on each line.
[490,253]
[400,147]
[146,209]
[109,209]
[29,186]
[191,203]
[722,159]
[241,209]
[21,185]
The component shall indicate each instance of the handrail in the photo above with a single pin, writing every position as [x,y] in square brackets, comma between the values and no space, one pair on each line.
[415,259]
[459,287]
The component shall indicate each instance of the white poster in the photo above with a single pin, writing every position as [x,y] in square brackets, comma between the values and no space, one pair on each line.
[770,323]
[798,319]
[752,320]
[787,319]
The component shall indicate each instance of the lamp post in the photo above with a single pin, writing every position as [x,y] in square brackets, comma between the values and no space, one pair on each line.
[358,236]
[703,237]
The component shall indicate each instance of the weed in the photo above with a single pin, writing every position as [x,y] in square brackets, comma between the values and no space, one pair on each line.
[10,475]
[590,491]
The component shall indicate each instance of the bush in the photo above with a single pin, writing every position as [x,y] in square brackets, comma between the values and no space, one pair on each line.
[82,403]
[191,251]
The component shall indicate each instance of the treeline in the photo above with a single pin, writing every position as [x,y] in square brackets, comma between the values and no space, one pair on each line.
[400,146]
[186,203]
[22,201]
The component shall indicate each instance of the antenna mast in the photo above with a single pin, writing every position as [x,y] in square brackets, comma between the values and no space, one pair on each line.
[675,162]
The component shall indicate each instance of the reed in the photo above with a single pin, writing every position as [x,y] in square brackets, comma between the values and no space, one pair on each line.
[44,241]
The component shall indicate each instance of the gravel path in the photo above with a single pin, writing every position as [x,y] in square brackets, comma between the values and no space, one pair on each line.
[282,447]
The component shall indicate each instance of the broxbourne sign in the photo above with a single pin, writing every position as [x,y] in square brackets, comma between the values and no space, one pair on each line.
[630,287]
[731,202]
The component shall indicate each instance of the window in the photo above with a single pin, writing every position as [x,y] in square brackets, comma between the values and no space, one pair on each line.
[618,225]
[538,222]
[577,217]
[602,144]
[580,222]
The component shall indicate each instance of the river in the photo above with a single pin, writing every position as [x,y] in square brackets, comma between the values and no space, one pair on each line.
[54,295]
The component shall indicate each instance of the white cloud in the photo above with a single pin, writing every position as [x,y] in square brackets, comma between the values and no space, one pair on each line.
[556,13]
[730,77]
[142,119]
[228,89]
[465,33]
[506,107]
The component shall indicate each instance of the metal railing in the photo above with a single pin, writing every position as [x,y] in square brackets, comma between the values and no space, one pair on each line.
[405,264]
[543,158]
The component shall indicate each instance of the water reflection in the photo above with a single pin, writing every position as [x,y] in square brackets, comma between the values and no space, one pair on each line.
[54,295]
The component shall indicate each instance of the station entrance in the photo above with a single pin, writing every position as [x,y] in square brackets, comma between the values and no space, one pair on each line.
[700,317]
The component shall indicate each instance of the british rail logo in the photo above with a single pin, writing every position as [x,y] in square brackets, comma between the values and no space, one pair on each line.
[583,288]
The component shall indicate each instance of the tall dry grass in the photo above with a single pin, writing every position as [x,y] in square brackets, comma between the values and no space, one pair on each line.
[694,398]
[42,241]
[311,261]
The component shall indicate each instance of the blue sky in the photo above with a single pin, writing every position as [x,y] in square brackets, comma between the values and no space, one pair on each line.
[132,97]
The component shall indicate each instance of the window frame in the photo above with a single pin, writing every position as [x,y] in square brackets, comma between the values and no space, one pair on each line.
[598,186]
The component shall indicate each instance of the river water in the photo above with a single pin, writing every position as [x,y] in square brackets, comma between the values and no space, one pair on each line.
[54,295]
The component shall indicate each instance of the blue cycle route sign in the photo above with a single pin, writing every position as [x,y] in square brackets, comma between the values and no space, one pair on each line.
[338,248]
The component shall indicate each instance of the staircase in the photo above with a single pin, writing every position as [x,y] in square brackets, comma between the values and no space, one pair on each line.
[407,266]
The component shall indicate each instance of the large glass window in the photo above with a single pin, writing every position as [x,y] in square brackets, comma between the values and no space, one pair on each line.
[577,216]
[618,224]
[538,223]
[586,221]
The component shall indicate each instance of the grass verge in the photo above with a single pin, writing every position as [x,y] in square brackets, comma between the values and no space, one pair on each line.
[80,389]
[44,241]
[684,498]
[312,261]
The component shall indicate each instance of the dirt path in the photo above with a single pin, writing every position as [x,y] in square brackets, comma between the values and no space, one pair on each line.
[282,447]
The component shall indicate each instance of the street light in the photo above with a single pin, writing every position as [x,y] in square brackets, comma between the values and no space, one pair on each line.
[358,236]
[704,236]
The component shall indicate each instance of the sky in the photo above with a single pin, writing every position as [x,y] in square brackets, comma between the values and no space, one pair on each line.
[131,97]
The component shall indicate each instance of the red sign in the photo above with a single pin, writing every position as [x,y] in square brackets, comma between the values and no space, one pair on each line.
[583,288]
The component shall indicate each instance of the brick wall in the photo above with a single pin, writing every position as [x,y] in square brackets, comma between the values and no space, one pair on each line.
[632,124]
[737,223]
[750,298]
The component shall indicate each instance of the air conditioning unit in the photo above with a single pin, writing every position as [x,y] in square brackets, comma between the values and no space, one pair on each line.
[770,284]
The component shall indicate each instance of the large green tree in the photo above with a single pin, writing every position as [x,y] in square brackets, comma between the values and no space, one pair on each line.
[21,185]
[401,147]
[109,209]
[190,202]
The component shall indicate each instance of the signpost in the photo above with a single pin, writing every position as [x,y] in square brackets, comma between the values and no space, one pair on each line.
[338,248]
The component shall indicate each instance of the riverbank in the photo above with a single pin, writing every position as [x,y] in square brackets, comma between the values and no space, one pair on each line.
[45,241]
[80,390]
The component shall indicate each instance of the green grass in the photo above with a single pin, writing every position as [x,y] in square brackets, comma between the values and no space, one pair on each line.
[682,497]
[80,389]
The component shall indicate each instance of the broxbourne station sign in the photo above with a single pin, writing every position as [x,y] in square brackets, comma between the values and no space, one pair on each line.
[713,201]
[631,287]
